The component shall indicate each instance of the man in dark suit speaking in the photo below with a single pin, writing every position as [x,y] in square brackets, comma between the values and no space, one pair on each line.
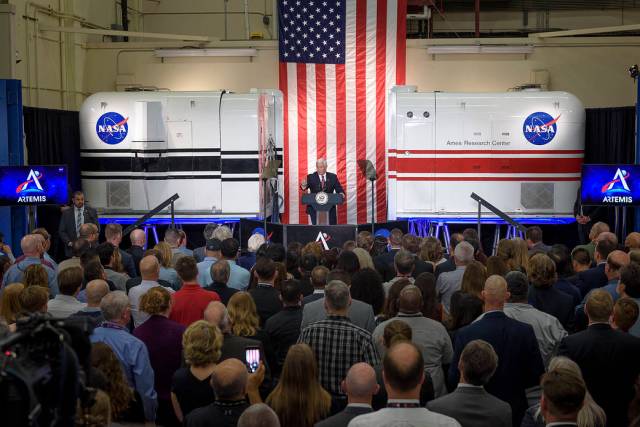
[72,218]
[324,181]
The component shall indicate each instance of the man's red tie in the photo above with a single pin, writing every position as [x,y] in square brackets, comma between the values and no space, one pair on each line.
[322,181]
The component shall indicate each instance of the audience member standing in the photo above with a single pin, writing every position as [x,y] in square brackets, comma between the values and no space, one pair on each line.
[533,237]
[220,272]
[318,281]
[563,395]
[266,297]
[449,282]
[191,387]
[544,296]
[230,383]
[131,352]
[404,264]
[283,328]
[629,287]
[258,415]
[79,247]
[248,260]
[163,338]
[360,385]
[384,262]
[549,331]
[65,303]
[469,403]
[212,255]
[95,291]
[298,399]
[10,306]
[32,251]
[596,277]
[514,342]
[113,235]
[403,376]
[107,254]
[138,243]
[239,277]
[338,343]
[608,359]
[245,321]
[167,270]
[150,273]
[430,336]
[191,300]
[200,253]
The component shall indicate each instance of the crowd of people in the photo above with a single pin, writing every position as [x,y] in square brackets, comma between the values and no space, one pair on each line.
[390,329]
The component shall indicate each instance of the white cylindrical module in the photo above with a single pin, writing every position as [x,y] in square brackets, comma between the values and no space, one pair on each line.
[140,148]
[520,151]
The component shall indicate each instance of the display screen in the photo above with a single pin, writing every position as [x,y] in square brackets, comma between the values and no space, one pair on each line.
[610,185]
[33,185]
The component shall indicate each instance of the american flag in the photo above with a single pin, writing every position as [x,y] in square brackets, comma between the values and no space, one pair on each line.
[338,61]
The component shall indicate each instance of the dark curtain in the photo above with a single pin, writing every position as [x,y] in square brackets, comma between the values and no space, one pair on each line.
[610,138]
[53,138]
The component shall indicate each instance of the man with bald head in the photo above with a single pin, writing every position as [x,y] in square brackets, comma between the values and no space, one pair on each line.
[32,249]
[403,375]
[259,415]
[360,385]
[632,241]
[138,241]
[94,292]
[520,363]
[430,336]
[149,272]
[231,384]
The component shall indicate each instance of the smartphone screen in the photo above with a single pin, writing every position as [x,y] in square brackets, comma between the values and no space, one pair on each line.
[252,357]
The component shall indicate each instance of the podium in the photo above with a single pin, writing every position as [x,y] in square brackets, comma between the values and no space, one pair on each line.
[322,203]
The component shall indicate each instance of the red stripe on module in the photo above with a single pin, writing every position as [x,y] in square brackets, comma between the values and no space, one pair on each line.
[361,107]
[321,111]
[401,43]
[483,165]
[285,107]
[341,135]
[302,135]
[488,179]
[533,152]
[381,78]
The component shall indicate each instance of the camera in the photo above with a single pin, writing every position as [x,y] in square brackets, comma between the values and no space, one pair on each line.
[43,368]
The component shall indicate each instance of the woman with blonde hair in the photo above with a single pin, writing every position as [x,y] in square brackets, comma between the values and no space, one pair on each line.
[35,275]
[10,306]
[299,400]
[431,251]
[473,278]
[245,321]
[364,258]
[191,386]
[126,405]
[521,254]
[591,415]
[507,251]
[167,272]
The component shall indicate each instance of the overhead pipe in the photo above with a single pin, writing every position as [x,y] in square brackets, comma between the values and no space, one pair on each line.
[477,9]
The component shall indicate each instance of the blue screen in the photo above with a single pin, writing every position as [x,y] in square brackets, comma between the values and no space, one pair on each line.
[610,185]
[33,185]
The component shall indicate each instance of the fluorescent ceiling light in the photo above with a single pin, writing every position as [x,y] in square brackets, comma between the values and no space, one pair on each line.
[177,53]
[452,50]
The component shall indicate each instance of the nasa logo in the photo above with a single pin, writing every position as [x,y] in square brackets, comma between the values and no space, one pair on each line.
[31,190]
[540,128]
[112,128]
[617,193]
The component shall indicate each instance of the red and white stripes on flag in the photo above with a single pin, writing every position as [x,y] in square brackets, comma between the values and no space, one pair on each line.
[339,111]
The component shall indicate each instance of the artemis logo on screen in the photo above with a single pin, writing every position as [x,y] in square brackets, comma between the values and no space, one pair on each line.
[540,128]
[112,128]
[31,190]
[617,190]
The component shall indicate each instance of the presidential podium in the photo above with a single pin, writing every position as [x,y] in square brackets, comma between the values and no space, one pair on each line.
[322,203]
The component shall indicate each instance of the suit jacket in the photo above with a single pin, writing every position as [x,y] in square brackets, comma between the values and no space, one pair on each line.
[448,265]
[520,364]
[341,419]
[554,302]
[384,264]
[360,313]
[314,186]
[127,263]
[311,298]
[609,363]
[473,406]
[592,278]
[136,253]
[67,227]
[421,267]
